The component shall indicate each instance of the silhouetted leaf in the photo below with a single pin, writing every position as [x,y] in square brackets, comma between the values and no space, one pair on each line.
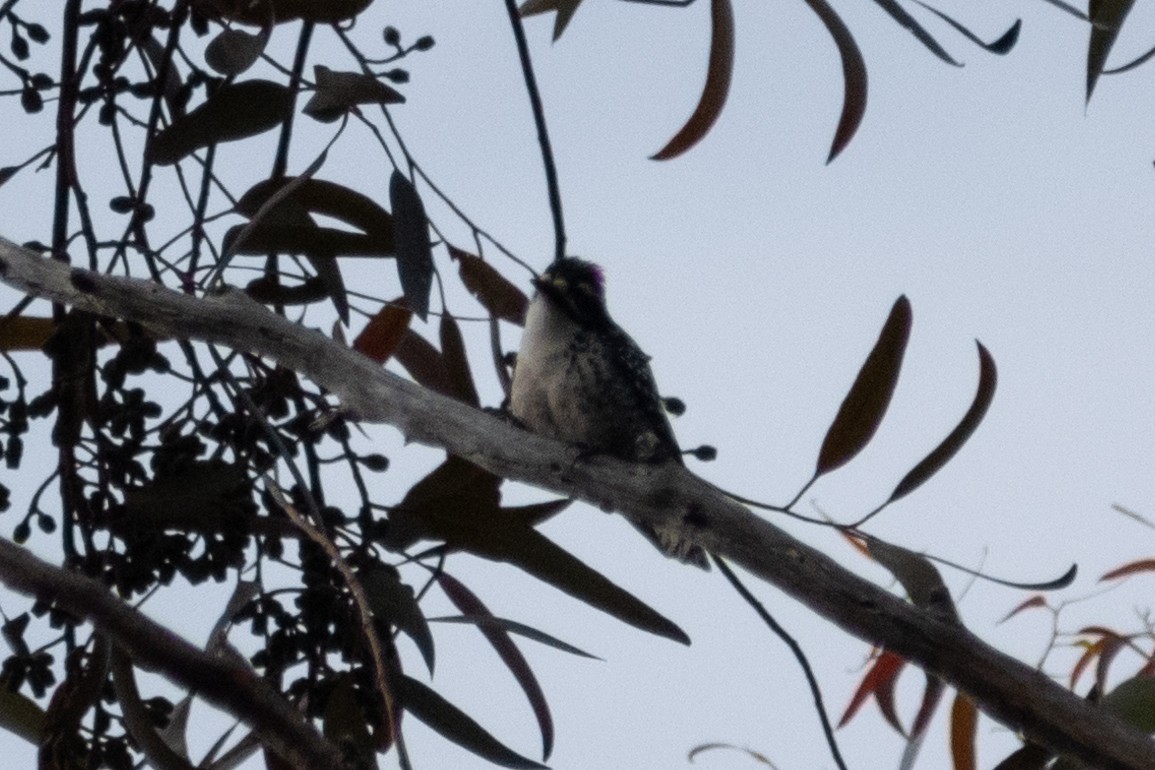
[25,333]
[1001,46]
[853,77]
[492,289]
[565,11]
[316,11]
[21,716]
[338,92]
[344,722]
[1107,18]
[422,361]
[865,405]
[719,73]
[268,291]
[497,636]
[535,513]
[942,454]
[204,496]
[411,235]
[235,111]
[459,503]
[964,722]
[458,376]
[233,50]
[325,198]
[1029,757]
[395,602]
[904,19]
[307,240]
[384,332]
[454,724]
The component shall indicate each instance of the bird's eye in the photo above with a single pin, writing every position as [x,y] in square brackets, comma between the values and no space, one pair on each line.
[558,281]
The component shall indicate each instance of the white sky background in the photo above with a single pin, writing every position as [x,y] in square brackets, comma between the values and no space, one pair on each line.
[758,279]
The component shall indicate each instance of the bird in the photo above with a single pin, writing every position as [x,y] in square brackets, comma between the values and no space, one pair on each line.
[580,378]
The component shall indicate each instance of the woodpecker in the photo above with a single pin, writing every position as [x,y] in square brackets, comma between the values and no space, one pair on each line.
[581,379]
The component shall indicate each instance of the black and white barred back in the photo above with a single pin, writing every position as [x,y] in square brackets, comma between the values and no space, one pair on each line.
[580,378]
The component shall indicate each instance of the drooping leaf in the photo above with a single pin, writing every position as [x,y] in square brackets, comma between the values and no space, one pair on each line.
[338,92]
[492,289]
[964,721]
[454,724]
[942,454]
[414,250]
[498,637]
[905,20]
[1137,61]
[853,77]
[422,361]
[344,721]
[384,332]
[459,503]
[21,716]
[1107,18]
[458,376]
[233,50]
[864,406]
[204,496]
[514,627]
[395,602]
[931,696]
[235,111]
[719,73]
[1001,46]
[565,11]
[879,682]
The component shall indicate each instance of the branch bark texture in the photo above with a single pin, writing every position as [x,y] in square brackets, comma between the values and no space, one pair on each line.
[1004,688]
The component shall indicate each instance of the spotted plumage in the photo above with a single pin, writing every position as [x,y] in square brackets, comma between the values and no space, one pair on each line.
[579,378]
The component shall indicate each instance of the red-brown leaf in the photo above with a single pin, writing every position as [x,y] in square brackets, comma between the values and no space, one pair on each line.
[864,406]
[853,77]
[384,332]
[942,454]
[964,720]
[719,73]
[492,289]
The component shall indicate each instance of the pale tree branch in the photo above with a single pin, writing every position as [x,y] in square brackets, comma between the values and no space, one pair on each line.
[666,495]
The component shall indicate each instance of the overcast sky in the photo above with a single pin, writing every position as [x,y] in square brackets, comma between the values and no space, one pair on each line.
[757,277]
